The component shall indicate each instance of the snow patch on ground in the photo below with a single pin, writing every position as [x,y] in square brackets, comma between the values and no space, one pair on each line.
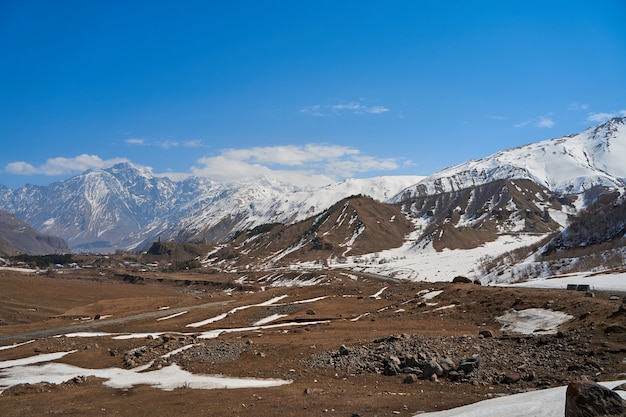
[533,321]
[16,345]
[269,319]
[599,282]
[172,316]
[167,378]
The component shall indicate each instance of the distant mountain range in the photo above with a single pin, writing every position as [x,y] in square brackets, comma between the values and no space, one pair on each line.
[127,207]
[530,189]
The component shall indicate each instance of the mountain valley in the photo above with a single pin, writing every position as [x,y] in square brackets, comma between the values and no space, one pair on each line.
[373,297]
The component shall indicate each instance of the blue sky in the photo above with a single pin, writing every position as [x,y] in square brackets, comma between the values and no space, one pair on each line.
[309,92]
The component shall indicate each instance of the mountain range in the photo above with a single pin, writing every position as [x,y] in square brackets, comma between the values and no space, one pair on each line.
[533,189]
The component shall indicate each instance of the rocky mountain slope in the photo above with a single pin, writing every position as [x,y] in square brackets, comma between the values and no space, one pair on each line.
[354,226]
[17,237]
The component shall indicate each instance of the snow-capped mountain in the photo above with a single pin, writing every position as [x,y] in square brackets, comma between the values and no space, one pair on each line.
[246,204]
[566,165]
[529,189]
[125,206]
[96,209]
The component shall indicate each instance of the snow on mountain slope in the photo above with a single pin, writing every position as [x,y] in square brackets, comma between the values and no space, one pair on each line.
[224,208]
[126,206]
[566,165]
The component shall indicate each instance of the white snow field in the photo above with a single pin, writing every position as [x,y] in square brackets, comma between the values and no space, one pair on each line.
[599,282]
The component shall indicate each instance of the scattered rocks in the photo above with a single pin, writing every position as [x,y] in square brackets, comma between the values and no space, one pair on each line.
[211,352]
[521,363]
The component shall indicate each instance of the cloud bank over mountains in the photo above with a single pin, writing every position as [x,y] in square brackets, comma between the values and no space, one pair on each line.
[302,165]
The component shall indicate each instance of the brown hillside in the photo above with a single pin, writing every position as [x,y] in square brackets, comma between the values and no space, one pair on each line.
[353,226]
[17,237]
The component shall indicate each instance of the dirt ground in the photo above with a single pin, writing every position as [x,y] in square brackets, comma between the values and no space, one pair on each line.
[328,363]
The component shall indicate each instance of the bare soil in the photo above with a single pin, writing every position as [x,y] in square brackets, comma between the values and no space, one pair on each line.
[332,365]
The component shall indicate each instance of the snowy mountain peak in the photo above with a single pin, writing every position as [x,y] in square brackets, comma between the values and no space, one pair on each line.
[569,164]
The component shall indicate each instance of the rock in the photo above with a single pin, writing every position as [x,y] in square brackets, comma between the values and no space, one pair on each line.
[411,361]
[456,376]
[410,379]
[448,365]
[80,379]
[391,365]
[462,280]
[343,350]
[431,368]
[485,333]
[588,399]
[617,328]
[468,365]
[511,378]
[313,391]
[311,312]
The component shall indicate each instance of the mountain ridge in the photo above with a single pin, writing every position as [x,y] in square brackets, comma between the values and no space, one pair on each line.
[566,165]
[128,207]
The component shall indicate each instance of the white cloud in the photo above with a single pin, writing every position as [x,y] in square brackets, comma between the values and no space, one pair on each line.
[289,155]
[577,106]
[353,107]
[311,164]
[362,163]
[62,166]
[167,144]
[603,117]
[179,144]
[136,141]
[302,165]
[544,121]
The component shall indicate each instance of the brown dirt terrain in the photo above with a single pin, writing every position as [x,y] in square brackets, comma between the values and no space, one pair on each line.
[336,367]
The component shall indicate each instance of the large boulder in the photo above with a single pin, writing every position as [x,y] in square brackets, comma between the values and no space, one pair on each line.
[588,399]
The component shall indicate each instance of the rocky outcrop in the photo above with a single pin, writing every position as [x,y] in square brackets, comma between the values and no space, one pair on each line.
[519,363]
[588,399]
